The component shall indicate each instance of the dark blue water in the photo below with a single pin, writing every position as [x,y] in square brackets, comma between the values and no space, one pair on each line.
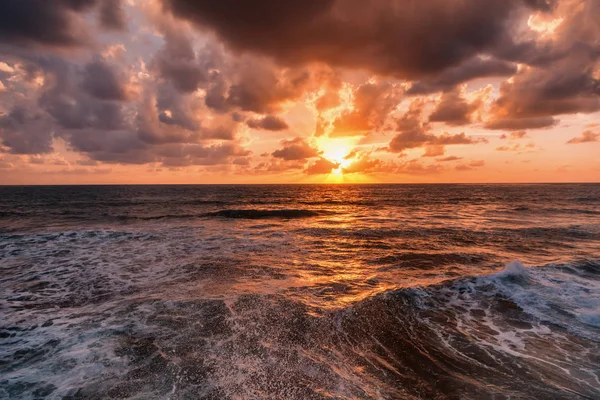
[300,292]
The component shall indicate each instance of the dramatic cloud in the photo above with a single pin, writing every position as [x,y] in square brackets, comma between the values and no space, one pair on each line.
[56,22]
[538,95]
[112,14]
[102,81]
[256,87]
[474,68]
[25,132]
[414,133]
[453,109]
[371,106]
[364,88]
[41,21]
[61,96]
[295,149]
[177,62]
[269,123]
[559,75]
[417,40]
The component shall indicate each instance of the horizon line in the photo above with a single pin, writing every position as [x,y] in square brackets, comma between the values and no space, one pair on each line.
[304,184]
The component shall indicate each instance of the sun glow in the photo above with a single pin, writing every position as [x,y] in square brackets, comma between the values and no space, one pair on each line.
[338,150]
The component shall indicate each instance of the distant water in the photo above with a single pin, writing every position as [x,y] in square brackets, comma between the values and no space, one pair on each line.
[300,292]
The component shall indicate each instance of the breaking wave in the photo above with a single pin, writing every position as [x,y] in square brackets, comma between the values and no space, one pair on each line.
[522,332]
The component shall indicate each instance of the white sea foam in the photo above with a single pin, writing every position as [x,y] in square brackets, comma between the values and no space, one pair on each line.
[514,269]
[556,294]
[540,315]
[151,279]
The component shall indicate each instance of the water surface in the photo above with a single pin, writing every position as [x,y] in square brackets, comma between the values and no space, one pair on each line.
[300,292]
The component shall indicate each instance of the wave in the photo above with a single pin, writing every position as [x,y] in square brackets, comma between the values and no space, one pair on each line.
[561,295]
[520,333]
[263,214]
[126,218]
[232,214]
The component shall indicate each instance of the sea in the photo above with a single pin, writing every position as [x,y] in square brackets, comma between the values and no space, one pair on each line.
[300,292]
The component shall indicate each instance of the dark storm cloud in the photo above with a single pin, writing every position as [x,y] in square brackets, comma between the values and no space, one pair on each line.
[255,86]
[101,80]
[576,34]
[216,94]
[70,92]
[414,133]
[71,98]
[112,14]
[93,108]
[172,117]
[71,107]
[260,90]
[453,109]
[128,147]
[25,131]
[407,40]
[535,95]
[54,22]
[174,108]
[269,123]
[470,69]
[295,149]
[542,5]
[85,114]
[156,124]
[177,62]
[75,106]
[105,145]
[562,74]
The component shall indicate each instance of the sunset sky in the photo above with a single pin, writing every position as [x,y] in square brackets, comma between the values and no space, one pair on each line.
[299,91]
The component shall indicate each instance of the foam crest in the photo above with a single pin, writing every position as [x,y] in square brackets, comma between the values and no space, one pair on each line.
[558,294]
[513,269]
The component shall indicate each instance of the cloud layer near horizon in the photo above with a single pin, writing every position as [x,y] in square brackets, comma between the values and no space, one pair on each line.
[294,88]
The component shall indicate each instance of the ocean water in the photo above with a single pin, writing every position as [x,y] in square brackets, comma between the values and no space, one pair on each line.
[300,292]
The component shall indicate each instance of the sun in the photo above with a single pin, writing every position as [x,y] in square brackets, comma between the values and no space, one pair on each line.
[339,151]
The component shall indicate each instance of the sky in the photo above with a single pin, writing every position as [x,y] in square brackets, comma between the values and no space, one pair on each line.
[299,91]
